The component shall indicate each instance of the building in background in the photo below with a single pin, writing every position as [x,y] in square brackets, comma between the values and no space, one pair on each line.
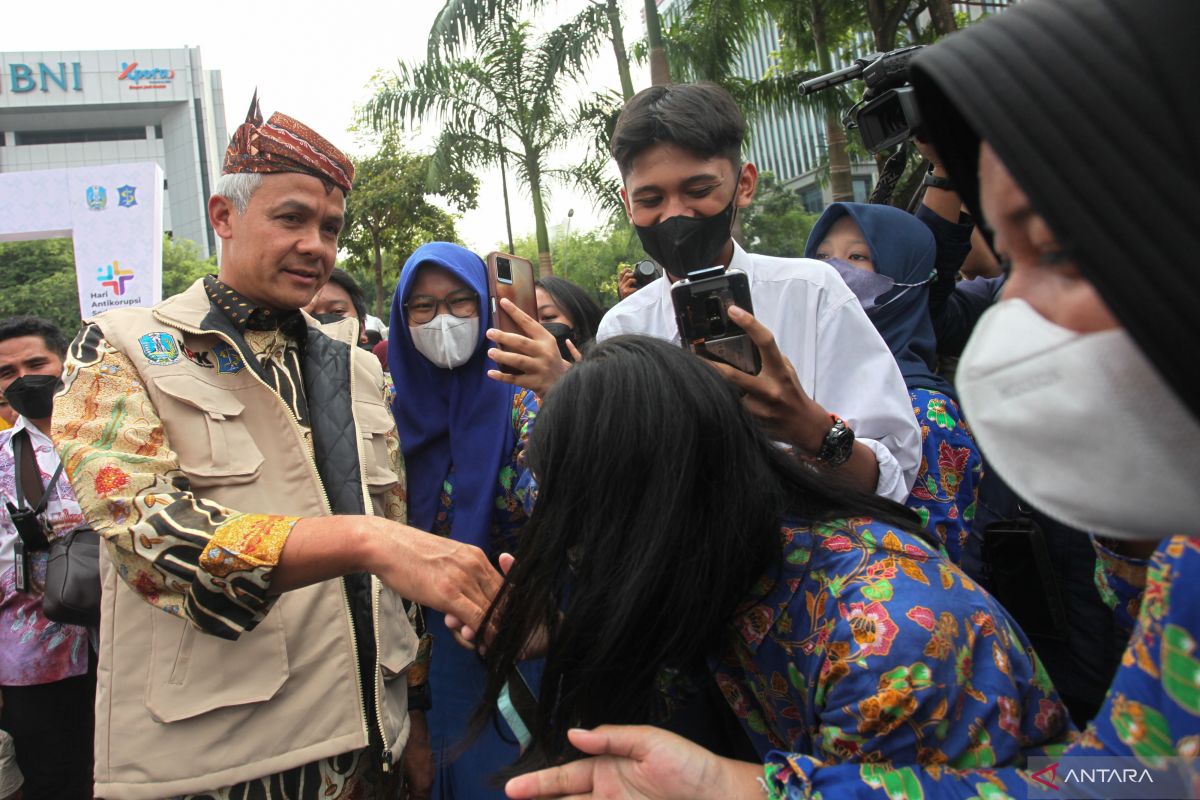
[90,108]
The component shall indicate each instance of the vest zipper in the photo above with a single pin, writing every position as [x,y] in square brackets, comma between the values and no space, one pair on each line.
[376,587]
[312,463]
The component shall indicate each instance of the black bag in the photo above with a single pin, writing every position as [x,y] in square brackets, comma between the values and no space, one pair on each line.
[73,579]
[72,594]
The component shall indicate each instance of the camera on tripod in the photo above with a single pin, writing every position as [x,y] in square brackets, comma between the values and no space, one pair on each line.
[887,114]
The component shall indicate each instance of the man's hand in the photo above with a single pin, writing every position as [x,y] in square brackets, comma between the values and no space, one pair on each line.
[774,396]
[535,355]
[437,572]
[417,761]
[537,645]
[644,763]
[626,284]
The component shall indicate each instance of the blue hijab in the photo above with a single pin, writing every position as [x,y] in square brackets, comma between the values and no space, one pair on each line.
[445,417]
[902,249]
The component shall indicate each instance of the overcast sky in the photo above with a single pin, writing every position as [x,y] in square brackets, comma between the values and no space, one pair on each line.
[311,60]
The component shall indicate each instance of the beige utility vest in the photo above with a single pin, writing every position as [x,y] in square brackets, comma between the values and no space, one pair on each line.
[181,711]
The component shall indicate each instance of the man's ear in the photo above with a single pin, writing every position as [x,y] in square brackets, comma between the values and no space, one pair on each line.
[625,203]
[747,183]
[220,215]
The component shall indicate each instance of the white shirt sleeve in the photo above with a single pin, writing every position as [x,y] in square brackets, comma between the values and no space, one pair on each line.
[868,392]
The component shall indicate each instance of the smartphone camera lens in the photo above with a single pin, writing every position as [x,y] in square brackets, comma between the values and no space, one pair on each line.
[504,270]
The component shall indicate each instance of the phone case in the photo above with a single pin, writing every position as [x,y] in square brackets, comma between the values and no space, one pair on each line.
[516,283]
[702,315]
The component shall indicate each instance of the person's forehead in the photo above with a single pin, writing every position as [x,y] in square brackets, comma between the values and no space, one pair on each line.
[280,187]
[669,161]
[24,347]
[333,293]
[433,279]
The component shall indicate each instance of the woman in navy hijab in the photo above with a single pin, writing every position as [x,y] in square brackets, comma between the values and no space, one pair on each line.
[886,258]
[463,437]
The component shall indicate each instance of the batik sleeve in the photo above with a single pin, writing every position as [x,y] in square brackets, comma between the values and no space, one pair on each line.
[1120,580]
[187,556]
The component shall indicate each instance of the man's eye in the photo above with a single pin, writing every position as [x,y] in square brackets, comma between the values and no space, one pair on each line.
[648,202]
[703,191]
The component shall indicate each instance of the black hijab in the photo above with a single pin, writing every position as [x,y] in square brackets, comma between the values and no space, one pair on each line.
[1092,107]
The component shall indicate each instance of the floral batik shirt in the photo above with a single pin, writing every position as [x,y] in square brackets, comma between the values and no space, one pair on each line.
[34,650]
[867,647]
[947,483]
[1151,714]
[515,487]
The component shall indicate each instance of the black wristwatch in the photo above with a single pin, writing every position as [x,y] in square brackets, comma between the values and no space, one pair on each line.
[838,444]
[938,182]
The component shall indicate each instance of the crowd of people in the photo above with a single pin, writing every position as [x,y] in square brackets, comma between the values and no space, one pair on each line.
[942,536]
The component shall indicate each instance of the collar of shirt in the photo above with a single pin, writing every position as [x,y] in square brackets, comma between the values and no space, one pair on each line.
[246,315]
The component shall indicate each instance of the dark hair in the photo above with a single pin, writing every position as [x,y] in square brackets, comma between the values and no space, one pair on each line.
[585,313]
[357,299]
[29,325]
[702,118]
[660,505]
[374,337]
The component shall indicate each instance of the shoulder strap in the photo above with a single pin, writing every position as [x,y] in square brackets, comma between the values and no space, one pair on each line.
[28,475]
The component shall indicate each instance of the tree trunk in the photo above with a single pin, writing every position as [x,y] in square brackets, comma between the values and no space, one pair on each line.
[942,15]
[660,73]
[885,22]
[617,34]
[378,274]
[545,267]
[840,182]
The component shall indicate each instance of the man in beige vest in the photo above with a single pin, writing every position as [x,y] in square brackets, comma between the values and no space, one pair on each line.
[239,460]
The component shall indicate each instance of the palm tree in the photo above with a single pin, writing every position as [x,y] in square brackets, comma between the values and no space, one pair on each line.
[461,20]
[504,102]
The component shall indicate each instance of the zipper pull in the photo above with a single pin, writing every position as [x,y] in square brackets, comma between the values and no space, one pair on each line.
[386,766]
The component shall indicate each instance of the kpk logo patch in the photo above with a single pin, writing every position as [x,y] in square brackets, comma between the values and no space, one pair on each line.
[198,357]
[97,198]
[160,348]
[229,360]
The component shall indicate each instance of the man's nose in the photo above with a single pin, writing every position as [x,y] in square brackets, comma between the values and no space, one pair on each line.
[675,207]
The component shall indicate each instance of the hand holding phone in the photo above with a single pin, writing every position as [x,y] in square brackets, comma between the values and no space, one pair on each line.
[702,315]
[510,278]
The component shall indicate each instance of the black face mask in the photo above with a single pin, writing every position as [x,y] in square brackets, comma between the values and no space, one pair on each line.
[561,334]
[33,395]
[685,244]
[328,317]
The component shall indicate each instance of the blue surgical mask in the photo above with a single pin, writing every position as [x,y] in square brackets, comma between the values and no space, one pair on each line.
[869,286]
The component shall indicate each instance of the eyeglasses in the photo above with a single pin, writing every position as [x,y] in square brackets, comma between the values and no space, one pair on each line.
[422,308]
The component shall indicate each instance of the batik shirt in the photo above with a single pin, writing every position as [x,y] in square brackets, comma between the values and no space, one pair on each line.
[868,647]
[1152,711]
[34,650]
[201,561]
[947,484]
[515,488]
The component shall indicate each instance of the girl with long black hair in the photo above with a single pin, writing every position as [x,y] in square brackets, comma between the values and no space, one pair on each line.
[685,571]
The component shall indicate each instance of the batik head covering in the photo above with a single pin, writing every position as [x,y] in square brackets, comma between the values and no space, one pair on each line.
[283,144]
[1091,106]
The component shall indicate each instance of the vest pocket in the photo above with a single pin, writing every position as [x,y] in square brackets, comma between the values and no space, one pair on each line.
[397,640]
[209,436]
[375,422]
[192,673]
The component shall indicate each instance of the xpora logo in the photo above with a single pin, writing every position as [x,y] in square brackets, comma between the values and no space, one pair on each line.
[113,277]
[131,72]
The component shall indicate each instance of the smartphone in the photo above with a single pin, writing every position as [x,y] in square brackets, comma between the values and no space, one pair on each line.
[702,314]
[510,277]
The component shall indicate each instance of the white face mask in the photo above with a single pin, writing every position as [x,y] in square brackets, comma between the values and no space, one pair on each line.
[1081,425]
[446,340]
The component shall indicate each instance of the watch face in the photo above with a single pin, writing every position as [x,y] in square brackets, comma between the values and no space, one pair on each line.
[838,445]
